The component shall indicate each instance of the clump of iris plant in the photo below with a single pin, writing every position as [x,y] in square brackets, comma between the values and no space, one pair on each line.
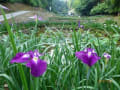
[31,58]
[88,56]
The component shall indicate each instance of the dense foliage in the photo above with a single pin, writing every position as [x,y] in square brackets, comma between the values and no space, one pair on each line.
[59,7]
[88,7]
[101,8]
[85,6]
[114,6]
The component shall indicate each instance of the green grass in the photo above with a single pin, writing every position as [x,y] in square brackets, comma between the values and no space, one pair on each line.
[64,71]
[31,24]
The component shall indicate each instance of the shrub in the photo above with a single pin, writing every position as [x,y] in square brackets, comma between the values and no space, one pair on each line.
[85,6]
[101,8]
[114,6]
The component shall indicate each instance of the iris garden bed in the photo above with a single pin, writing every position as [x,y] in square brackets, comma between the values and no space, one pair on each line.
[65,70]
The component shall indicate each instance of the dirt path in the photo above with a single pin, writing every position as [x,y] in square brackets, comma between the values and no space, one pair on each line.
[22,12]
[12,15]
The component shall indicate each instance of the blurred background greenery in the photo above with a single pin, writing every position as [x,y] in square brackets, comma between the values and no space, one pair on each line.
[79,7]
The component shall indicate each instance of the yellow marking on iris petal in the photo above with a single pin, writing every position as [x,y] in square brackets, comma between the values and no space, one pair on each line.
[89,54]
[35,59]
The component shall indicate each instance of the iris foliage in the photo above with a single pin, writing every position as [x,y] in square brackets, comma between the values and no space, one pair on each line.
[64,70]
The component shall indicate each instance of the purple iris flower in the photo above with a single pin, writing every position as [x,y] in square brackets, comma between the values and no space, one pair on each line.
[37,66]
[79,24]
[88,56]
[40,18]
[36,17]
[107,56]
[1,6]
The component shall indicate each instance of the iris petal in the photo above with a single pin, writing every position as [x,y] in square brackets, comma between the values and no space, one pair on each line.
[107,56]
[82,56]
[20,58]
[37,69]
[94,59]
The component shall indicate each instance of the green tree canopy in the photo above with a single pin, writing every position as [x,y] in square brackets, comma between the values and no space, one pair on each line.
[114,6]
[85,6]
